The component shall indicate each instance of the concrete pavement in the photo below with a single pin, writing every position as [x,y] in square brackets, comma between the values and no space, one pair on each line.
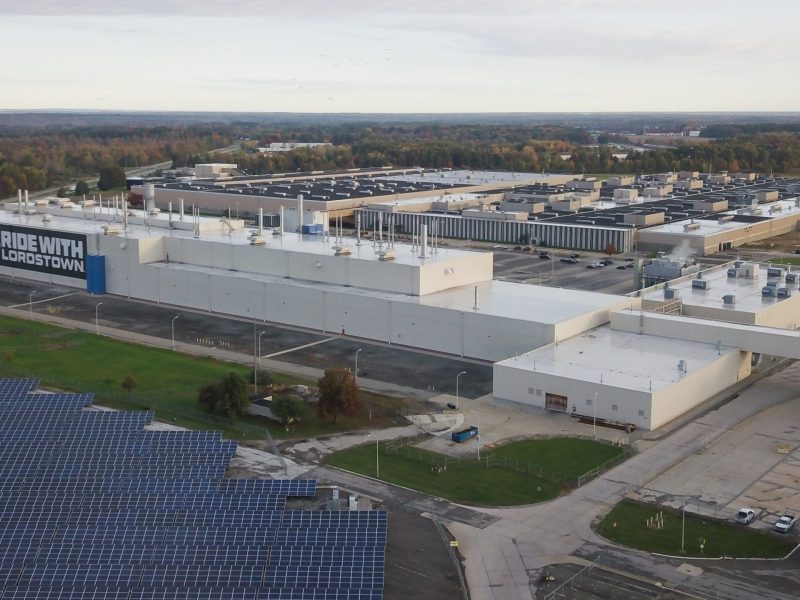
[502,558]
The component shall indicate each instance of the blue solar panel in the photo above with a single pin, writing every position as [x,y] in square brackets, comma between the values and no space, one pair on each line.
[92,505]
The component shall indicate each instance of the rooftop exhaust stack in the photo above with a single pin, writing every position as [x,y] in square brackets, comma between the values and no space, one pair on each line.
[19,201]
[26,199]
[423,241]
[358,228]
[180,208]
[281,217]
[260,221]
[299,213]
[476,298]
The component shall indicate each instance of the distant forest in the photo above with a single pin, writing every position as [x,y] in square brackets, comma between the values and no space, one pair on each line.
[41,156]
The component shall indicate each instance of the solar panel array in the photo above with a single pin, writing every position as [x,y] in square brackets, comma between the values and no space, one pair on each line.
[93,506]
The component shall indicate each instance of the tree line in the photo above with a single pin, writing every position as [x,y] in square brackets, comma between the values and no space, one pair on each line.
[36,159]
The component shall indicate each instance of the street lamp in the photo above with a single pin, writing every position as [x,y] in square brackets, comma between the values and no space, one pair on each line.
[594,417]
[259,348]
[30,305]
[172,327]
[683,528]
[357,351]
[457,376]
[96,322]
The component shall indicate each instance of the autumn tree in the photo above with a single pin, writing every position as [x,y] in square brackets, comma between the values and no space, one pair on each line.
[338,394]
[610,249]
[228,397]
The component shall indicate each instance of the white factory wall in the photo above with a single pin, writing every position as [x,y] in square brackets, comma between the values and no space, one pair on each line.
[613,403]
[590,320]
[644,409]
[698,386]
[434,276]
[763,340]
[335,311]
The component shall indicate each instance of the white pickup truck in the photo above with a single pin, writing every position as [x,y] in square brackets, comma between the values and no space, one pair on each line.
[785,523]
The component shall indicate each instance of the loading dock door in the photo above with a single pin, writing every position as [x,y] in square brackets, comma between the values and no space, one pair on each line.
[555,402]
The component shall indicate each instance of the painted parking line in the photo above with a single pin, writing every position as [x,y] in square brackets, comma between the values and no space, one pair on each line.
[299,347]
[40,301]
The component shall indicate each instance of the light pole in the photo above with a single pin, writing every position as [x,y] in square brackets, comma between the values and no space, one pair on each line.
[30,305]
[594,417]
[683,528]
[377,459]
[457,376]
[172,328]
[259,348]
[357,351]
[96,322]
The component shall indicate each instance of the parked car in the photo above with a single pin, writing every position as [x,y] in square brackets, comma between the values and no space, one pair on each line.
[544,256]
[571,261]
[628,260]
[745,516]
[621,268]
[574,255]
[785,523]
[607,261]
[517,247]
[595,265]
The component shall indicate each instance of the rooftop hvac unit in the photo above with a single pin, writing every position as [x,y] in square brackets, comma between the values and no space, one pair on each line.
[791,279]
[725,218]
[769,291]
[691,226]
[257,240]
[784,293]
[342,250]
[700,284]
[729,299]
[111,230]
[669,294]
[738,263]
[774,272]
[732,273]
[47,218]
[385,255]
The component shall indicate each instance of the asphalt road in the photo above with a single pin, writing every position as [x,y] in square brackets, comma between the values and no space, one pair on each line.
[391,364]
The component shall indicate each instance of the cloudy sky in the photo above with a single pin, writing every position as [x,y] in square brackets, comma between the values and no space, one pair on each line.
[401,56]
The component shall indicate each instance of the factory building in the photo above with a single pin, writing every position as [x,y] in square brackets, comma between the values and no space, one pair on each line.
[635,361]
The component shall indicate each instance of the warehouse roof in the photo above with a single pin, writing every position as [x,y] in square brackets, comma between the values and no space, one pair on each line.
[620,359]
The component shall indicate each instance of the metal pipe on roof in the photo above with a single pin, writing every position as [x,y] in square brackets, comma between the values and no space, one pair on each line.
[358,227]
[280,225]
[380,228]
[299,212]
[260,220]
[424,241]
[180,209]
[26,199]
[19,201]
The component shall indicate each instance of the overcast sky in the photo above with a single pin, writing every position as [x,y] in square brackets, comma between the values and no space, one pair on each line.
[401,56]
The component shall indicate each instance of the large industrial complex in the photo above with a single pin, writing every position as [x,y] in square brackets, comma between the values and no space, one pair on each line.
[638,361]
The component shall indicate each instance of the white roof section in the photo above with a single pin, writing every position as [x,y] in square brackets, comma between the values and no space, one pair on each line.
[619,359]
[706,227]
[537,303]
[746,290]
[465,177]
[214,230]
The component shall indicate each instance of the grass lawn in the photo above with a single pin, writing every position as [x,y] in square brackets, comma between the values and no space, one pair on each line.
[788,260]
[721,539]
[470,483]
[569,456]
[167,381]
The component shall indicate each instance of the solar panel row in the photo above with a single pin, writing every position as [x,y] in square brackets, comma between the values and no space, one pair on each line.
[94,506]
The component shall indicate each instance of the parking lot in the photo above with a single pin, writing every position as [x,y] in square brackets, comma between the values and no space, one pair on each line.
[527,267]
[755,465]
